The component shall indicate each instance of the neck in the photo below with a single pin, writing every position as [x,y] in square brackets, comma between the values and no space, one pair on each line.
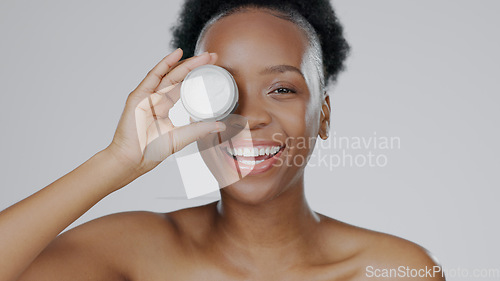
[282,222]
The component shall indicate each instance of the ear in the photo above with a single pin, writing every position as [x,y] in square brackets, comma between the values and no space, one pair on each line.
[324,126]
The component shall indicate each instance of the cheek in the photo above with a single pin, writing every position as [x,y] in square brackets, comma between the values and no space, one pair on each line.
[297,123]
[297,118]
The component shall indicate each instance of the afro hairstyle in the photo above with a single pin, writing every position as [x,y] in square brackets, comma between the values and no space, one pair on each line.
[195,14]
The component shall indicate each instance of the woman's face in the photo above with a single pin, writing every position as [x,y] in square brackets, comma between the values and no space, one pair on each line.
[264,54]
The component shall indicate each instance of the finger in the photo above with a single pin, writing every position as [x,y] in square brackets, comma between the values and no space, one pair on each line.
[177,74]
[182,136]
[166,83]
[159,104]
[162,103]
[182,61]
[155,75]
[172,92]
[213,58]
[158,128]
[149,128]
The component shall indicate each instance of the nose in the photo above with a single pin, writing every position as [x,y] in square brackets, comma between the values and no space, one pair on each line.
[251,106]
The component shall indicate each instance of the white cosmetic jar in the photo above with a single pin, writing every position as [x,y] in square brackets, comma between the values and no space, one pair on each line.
[209,93]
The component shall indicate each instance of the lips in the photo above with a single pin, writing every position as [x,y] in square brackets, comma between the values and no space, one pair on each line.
[252,156]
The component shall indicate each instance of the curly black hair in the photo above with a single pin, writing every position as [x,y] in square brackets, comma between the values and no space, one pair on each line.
[319,13]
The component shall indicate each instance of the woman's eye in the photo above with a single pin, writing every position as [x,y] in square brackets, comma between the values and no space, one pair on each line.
[284,91]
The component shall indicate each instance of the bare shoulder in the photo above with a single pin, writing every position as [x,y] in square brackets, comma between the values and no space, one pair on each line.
[393,257]
[380,255]
[104,248]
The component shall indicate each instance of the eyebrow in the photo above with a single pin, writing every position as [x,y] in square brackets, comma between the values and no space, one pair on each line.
[282,68]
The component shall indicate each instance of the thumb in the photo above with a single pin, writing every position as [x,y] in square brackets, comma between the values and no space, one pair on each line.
[187,134]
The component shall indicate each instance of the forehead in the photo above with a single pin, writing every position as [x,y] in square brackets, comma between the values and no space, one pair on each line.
[255,37]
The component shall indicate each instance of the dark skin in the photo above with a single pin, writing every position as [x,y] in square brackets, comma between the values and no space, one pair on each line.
[262,228]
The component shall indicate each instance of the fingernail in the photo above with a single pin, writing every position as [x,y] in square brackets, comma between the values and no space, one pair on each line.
[202,54]
[220,127]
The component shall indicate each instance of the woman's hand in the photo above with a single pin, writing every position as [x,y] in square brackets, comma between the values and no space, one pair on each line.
[145,135]
[27,227]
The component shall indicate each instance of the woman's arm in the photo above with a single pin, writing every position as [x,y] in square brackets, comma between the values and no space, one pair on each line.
[27,227]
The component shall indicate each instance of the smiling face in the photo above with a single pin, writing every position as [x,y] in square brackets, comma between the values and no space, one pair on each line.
[265,54]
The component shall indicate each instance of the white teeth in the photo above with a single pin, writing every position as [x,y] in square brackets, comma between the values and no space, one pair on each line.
[247,162]
[250,162]
[253,151]
[246,152]
[267,150]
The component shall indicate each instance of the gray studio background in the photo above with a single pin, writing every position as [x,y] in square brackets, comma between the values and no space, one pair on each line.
[422,71]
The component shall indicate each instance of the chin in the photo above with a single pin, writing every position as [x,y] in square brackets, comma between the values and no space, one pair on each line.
[252,191]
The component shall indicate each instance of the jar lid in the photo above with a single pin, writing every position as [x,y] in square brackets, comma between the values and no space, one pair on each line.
[209,93]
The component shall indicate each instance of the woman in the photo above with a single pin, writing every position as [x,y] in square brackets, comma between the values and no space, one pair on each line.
[282,57]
